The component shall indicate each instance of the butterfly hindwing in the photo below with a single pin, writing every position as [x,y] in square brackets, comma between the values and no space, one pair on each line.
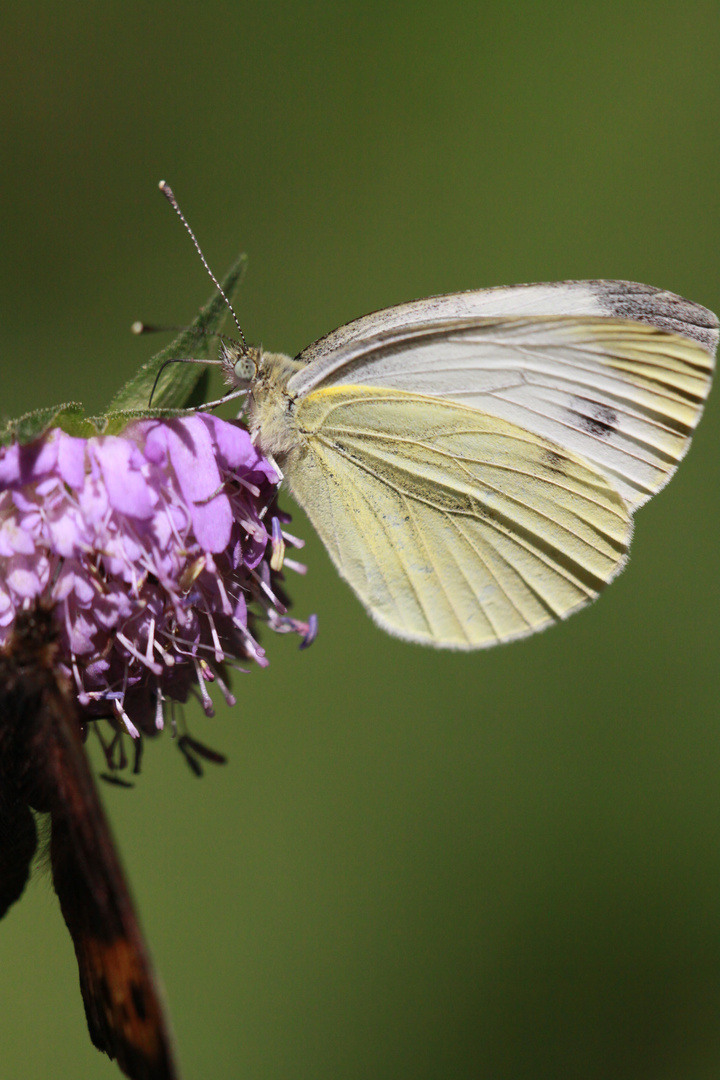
[453,527]
[18,841]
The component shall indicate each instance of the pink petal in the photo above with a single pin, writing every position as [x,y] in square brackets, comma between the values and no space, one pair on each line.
[127,489]
[193,459]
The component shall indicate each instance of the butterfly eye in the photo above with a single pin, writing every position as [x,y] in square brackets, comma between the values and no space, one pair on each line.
[245,368]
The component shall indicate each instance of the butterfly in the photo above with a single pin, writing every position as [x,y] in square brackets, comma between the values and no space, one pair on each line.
[472,462]
[43,768]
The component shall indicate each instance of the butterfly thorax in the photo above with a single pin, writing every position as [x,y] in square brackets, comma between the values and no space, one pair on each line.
[270,413]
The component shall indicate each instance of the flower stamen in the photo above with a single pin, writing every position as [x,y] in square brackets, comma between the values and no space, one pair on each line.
[127,644]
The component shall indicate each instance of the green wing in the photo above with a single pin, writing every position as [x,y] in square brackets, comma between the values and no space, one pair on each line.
[455,528]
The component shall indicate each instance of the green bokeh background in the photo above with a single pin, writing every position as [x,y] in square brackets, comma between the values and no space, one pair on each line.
[416,865]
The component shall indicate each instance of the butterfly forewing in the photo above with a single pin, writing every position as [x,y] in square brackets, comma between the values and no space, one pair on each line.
[46,768]
[624,300]
[623,395]
[454,527]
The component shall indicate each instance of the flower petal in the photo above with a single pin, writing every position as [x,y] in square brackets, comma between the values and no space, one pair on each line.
[193,459]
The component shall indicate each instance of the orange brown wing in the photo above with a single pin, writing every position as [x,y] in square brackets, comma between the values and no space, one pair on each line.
[43,765]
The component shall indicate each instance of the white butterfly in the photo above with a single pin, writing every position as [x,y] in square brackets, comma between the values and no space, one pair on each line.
[472,462]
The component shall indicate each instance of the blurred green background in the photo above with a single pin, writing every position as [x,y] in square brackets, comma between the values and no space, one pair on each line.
[416,865]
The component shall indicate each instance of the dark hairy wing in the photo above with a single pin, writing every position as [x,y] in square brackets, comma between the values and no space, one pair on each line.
[18,841]
[18,834]
[43,767]
[122,1001]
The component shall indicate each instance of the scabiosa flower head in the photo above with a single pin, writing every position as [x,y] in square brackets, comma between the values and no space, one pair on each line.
[155,547]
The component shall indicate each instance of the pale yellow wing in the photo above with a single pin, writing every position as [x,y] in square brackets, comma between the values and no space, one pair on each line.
[454,528]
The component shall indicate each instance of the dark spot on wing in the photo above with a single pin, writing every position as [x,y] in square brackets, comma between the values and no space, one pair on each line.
[594,418]
[554,461]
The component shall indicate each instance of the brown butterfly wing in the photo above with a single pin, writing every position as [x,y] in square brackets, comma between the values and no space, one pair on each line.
[122,1002]
[18,833]
[18,841]
[47,769]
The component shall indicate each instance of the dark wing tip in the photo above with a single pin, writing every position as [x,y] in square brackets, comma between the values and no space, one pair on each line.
[658,307]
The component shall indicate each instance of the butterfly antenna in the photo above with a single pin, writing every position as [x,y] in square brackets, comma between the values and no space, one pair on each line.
[168,193]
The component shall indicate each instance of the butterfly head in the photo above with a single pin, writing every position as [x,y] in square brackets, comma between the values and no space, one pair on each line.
[240,364]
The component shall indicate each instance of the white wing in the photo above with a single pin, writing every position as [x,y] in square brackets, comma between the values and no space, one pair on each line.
[612,371]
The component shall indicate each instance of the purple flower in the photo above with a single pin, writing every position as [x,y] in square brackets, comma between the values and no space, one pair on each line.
[154,548]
